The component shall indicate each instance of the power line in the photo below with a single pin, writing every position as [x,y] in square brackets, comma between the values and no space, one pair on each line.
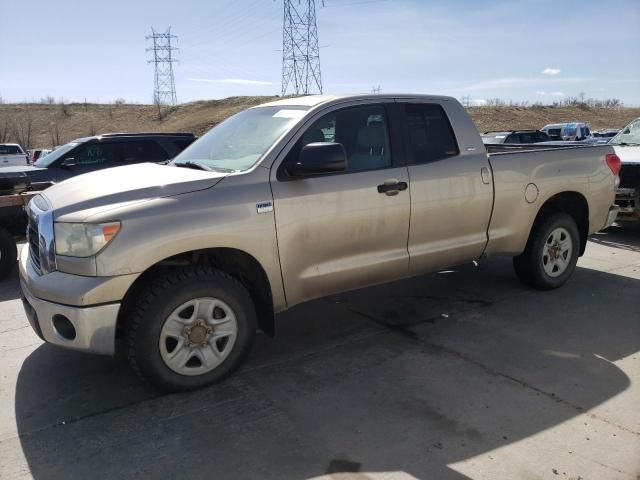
[300,51]
[164,87]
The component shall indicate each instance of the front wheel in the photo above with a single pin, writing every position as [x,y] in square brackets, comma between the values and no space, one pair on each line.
[191,328]
[551,253]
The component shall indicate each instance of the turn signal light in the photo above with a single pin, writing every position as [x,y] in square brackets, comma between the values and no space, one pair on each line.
[614,163]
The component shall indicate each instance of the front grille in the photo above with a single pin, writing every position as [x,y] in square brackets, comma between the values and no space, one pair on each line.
[33,237]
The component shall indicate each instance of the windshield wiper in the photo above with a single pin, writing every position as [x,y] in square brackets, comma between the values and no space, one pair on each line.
[194,165]
[627,144]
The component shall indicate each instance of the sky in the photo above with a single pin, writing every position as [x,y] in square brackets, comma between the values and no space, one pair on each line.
[535,51]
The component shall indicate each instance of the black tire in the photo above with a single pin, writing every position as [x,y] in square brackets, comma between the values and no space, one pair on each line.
[161,298]
[529,265]
[8,253]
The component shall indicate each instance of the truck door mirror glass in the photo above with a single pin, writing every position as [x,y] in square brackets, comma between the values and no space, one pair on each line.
[319,158]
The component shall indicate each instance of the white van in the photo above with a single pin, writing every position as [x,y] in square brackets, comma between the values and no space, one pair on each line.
[573,131]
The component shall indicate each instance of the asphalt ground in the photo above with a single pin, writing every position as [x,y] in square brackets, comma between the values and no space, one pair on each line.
[460,374]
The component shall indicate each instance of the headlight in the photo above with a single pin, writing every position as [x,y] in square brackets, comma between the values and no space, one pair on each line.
[83,239]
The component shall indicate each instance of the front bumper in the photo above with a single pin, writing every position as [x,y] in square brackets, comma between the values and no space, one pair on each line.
[93,329]
[90,328]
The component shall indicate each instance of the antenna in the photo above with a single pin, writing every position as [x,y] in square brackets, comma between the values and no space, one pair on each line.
[164,87]
[300,51]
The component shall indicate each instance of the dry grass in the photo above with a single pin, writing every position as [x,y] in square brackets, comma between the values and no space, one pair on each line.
[79,120]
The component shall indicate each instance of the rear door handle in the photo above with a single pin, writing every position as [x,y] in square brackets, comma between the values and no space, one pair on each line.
[486,175]
[392,187]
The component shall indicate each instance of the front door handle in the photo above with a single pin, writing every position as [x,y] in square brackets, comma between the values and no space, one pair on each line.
[392,187]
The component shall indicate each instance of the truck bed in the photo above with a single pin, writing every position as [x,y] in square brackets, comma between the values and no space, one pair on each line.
[535,171]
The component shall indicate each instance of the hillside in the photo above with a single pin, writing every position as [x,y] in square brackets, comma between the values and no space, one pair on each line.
[57,124]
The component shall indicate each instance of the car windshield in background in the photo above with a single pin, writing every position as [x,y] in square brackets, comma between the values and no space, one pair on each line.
[55,155]
[239,142]
[630,135]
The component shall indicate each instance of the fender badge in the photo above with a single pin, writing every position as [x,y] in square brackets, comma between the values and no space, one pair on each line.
[264,207]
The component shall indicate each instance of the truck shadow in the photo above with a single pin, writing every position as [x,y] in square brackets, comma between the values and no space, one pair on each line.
[360,382]
[10,286]
[625,236]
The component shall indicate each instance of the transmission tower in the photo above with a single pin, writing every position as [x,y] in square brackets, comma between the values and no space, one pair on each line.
[164,87]
[300,50]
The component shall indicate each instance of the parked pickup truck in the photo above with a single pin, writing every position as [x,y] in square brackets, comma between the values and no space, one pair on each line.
[12,154]
[180,264]
[627,146]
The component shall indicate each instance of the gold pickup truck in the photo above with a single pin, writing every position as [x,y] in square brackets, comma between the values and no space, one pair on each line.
[180,264]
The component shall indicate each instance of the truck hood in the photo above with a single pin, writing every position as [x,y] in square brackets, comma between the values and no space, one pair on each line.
[116,186]
[628,154]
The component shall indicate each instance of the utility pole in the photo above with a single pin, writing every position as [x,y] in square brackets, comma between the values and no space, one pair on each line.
[164,87]
[376,89]
[466,101]
[300,51]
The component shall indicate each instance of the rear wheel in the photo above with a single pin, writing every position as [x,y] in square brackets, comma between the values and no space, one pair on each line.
[551,253]
[191,328]
[8,252]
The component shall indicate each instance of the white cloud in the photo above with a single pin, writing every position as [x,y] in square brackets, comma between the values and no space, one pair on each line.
[551,71]
[541,93]
[233,81]
[557,94]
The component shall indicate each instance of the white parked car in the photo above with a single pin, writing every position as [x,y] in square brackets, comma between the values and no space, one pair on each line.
[12,154]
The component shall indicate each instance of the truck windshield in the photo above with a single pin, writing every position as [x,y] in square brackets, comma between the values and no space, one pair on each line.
[55,155]
[239,142]
[630,135]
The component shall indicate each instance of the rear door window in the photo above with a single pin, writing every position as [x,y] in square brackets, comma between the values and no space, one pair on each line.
[140,151]
[430,135]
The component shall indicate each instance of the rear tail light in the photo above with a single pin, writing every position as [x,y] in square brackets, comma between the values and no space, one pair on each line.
[614,163]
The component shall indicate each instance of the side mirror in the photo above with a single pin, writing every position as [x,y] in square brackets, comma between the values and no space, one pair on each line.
[318,159]
[68,163]
[626,131]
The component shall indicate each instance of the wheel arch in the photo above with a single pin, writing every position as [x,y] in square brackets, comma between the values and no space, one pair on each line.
[237,263]
[573,204]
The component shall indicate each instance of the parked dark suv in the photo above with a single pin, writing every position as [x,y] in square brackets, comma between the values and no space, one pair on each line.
[104,151]
[74,158]
[514,136]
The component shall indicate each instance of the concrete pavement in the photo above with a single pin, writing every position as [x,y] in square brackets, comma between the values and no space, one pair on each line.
[460,374]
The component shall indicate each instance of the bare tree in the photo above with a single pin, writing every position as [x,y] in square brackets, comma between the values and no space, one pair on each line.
[64,107]
[5,128]
[21,129]
[54,131]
